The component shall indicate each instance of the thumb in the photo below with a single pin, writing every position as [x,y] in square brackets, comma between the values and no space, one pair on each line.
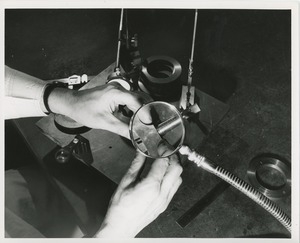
[133,171]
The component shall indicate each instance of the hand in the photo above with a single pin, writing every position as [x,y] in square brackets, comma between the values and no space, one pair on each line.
[136,203]
[95,107]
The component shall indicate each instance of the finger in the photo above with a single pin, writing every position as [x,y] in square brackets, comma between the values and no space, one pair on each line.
[133,171]
[144,115]
[167,197]
[158,169]
[173,190]
[172,174]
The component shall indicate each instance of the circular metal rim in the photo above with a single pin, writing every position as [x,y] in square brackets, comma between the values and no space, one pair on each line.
[124,83]
[175,74]
[182,123]
[68,125]
[274,163]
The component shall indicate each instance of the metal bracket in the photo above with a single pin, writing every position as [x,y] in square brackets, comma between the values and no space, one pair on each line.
[79,148]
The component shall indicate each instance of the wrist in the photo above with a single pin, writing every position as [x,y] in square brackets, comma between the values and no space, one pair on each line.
[61,101]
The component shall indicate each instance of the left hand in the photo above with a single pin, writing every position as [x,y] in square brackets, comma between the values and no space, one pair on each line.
[95,107]
[137,202]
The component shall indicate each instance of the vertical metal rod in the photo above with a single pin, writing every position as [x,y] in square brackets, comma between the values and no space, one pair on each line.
[190,71]
[119,41]
[127,30]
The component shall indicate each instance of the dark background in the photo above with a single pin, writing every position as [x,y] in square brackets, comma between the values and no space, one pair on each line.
[242,57]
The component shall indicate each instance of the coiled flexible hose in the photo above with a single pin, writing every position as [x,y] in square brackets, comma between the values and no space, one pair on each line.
[239,184]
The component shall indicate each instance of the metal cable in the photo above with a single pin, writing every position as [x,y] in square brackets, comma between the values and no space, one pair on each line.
[239,184]
[255,195]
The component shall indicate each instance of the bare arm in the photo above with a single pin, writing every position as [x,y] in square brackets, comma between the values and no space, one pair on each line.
[23,94]
[93,108]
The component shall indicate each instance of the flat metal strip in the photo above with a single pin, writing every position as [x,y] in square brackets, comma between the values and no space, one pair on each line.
[198,207]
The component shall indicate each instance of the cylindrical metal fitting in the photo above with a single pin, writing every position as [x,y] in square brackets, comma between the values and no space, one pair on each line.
[161,77]
[168,125]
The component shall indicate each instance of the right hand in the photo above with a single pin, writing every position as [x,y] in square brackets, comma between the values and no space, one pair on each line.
[136,203]
[95,107]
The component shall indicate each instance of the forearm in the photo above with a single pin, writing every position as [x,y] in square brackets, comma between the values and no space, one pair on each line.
[24,96]
[18,108]
[22,85]
[94,108]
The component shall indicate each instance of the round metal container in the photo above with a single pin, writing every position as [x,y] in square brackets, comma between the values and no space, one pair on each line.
[271,175]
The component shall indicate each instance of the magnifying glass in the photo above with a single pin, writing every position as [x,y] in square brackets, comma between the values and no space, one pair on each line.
[154,126]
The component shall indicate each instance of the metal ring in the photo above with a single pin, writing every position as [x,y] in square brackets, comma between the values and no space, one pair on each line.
[161,69]
[68,125]
[124,83]
[160,77]
[270,163]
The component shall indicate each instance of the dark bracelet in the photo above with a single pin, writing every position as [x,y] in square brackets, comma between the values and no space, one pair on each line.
[47,91]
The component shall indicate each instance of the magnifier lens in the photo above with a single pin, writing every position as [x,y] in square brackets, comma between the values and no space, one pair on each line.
[157,129]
